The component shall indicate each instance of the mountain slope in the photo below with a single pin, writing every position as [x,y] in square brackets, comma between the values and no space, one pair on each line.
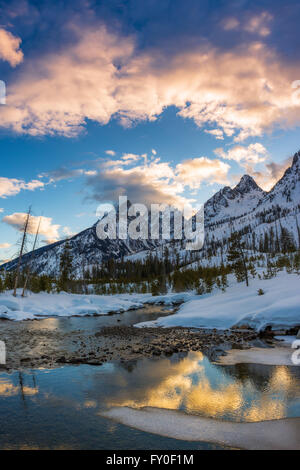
[86,250]
[228,203]
[246,209]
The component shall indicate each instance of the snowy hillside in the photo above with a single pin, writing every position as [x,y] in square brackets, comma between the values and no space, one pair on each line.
[279,307]
[86,250]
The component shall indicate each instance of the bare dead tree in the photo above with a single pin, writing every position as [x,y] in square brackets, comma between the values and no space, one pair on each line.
[28,271]
[24,230]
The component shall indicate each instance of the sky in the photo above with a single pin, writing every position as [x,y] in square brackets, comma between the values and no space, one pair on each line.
[165,101]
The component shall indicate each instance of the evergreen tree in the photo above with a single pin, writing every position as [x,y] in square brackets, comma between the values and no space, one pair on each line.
[66,266]
[154,288]
[200,289]
[224,282]
[253,270]
[237,256]
[209,284]
[8,281]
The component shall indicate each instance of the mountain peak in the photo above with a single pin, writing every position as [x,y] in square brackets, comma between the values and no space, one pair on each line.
[296,158]
[247,184]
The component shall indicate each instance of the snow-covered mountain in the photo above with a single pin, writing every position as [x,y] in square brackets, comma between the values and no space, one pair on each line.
[228,203]
[246,208]
[286,192]
[86,250]
[255,213]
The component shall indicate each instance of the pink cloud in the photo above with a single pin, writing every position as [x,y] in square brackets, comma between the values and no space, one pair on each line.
[10,48]
[47,228]
[240,93]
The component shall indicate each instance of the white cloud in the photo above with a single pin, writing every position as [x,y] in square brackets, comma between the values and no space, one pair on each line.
[146,183]
[217,133]
[271,174]
[10,48]
[155,181]
[49,230]
[110,152]
[125,160]
[12,186]
[194,171]
[256,154]
[253,154]
[67,231]
[241,92]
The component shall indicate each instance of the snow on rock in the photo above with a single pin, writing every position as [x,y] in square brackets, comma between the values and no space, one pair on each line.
[241,305]
[65,305]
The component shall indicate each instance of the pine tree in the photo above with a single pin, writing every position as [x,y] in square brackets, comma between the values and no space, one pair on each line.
[253,271]
[209,284]
[200,289]
[224,282]
[65,268]
[237,256]
[8,281]
[154,288]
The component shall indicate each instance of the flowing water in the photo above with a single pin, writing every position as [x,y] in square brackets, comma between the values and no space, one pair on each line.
[60,408]
[92,323]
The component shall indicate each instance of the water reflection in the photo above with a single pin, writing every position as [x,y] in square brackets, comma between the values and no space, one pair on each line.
[196,386]
[8,389]
[61,407]
[92,323]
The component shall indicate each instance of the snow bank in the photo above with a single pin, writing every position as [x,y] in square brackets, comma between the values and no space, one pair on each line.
[271,357]
[241,305]
[264,435]
[65,305]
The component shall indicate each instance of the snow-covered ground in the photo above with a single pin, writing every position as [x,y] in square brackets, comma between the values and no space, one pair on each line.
[65,305]
[241,305]
[276,434]
[278,356]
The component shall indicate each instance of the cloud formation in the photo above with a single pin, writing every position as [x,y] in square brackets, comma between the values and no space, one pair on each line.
[251,155]
[10,48]
[255,24]
[152,181]
[47,228]
[256,154]
[12,186]
[194,171]
[272,173]
[259,24]
[102,75]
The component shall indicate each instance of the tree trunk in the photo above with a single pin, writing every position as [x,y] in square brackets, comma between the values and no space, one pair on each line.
[21,252]
[28,270]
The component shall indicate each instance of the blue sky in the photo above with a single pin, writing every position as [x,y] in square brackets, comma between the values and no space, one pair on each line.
[165,101]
